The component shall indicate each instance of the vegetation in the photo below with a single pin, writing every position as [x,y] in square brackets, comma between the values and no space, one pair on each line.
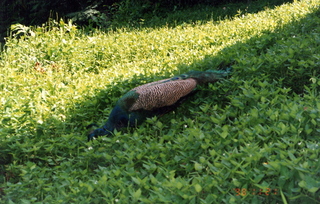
[253,138]
[99,12]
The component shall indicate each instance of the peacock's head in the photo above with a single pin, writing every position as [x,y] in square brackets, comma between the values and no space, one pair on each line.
[91,136]
[98,132]
[117,119]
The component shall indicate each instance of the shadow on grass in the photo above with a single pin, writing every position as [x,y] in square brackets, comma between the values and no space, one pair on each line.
[201,14]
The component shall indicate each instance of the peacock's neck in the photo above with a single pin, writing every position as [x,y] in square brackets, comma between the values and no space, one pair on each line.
[105,130]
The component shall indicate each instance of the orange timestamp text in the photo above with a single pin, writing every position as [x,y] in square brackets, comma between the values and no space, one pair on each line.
[253,191]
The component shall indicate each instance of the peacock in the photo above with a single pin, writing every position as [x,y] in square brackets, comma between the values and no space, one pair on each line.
[154,99]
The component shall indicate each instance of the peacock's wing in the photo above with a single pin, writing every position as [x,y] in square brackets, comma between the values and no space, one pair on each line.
[161,93]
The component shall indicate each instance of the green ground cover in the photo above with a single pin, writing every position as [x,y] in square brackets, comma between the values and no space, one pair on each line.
[253,138]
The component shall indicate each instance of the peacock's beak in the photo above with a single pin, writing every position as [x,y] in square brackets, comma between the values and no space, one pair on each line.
[91,136]
[91,133]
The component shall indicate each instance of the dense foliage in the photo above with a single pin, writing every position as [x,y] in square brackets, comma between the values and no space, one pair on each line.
[98,13]
[38,11]
[253,138]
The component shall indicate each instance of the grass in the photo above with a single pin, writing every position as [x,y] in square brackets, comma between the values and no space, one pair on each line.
[253,138]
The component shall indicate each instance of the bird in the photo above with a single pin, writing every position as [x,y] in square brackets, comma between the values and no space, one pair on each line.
[154,99]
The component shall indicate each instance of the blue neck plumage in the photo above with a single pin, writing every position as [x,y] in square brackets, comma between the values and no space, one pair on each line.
[102,131]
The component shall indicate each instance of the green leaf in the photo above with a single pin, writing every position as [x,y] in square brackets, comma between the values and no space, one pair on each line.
[90,188]
[197,166]
[284,200]
[309,183]
[136,195]
[215,120]
[179,185]
[136,180]
[258,178]
[236,182]
[198,188]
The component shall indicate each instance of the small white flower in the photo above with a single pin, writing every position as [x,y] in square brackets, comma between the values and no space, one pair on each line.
[117,200]
[90,148]
[117,141]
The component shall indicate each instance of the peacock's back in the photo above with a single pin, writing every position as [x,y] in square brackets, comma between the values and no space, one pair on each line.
[162,93]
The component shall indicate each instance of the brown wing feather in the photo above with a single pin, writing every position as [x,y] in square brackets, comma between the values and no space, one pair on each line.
[159,94]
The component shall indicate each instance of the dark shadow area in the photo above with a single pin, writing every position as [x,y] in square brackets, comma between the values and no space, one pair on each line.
[198,14]
[103,17]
